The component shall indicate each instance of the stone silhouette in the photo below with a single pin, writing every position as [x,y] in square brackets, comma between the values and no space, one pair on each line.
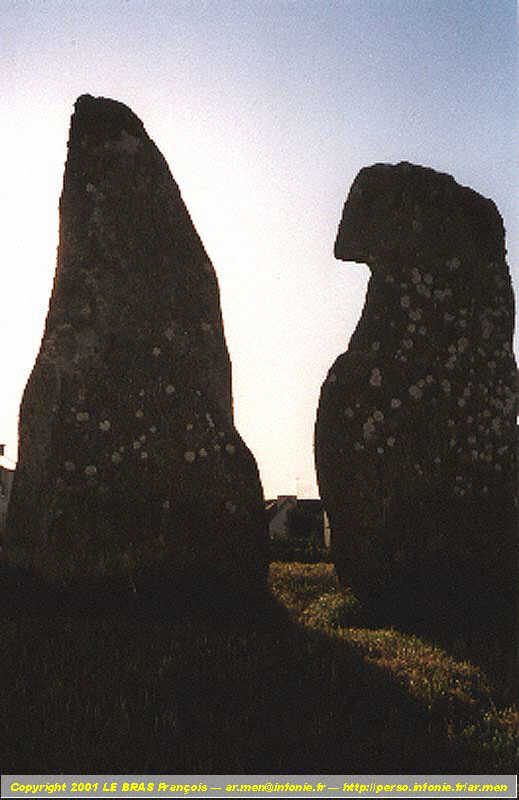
[415,437]
[129,461]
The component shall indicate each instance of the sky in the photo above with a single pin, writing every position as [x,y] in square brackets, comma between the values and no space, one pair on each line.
[265,110]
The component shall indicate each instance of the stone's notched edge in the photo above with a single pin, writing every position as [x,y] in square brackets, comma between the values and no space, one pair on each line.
[416,463]
[402,177]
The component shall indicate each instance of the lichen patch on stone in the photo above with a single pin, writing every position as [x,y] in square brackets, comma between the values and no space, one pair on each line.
[375,377]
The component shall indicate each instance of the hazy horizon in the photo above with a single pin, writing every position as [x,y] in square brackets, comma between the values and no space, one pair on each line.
[265,112]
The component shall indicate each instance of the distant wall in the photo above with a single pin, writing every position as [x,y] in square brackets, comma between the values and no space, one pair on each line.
[278,528]
[6,481]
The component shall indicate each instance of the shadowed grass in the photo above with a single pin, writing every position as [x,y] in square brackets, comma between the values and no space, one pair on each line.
[283,686]
[452,689]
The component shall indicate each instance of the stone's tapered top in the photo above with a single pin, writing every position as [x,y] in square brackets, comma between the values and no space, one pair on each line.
[104,118]
[403,211]
[105,135]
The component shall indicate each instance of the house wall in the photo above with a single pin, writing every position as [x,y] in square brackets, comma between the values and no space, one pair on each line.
[327,531]
[278,523]
[6,481]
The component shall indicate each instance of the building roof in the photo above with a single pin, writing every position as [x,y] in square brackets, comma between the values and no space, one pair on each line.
[272,507]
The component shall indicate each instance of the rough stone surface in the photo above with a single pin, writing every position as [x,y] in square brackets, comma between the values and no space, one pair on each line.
[415,437]
[129,461]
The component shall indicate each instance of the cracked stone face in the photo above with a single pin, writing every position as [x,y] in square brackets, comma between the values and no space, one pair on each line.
[415,438]
[119,419]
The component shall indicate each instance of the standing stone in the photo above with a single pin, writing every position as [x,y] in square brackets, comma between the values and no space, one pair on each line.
[129,461]
[415,436]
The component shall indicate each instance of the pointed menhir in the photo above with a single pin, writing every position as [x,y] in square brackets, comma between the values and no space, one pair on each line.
[124,383]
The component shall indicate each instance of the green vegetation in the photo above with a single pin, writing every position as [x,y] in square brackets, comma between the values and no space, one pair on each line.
[299,549]
[299,684]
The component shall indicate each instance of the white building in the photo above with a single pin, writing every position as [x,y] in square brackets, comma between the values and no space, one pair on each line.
[278,519]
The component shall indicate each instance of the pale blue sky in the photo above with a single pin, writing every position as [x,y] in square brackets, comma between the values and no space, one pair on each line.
[265,112]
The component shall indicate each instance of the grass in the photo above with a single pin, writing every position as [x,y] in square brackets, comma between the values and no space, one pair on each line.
[302,683]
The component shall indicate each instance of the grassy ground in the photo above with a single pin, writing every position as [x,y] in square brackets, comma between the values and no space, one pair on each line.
[301,684]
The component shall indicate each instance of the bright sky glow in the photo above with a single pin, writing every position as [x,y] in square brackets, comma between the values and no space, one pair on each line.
[265,112]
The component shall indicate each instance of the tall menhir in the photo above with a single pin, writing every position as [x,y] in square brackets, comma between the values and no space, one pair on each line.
[416,438]
[130,464]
